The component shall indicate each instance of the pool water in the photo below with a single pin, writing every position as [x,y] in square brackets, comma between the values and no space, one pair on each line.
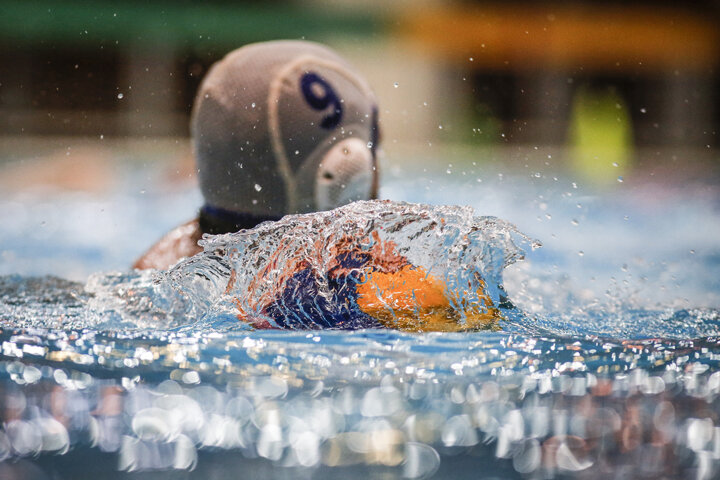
[605,364]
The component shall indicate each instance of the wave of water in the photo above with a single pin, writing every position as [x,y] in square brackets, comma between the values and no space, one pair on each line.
[366,265]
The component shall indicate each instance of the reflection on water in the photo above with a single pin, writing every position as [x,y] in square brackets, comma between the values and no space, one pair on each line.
[415,406]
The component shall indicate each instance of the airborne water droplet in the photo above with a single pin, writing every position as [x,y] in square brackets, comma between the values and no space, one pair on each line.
[120,96]
[257,187]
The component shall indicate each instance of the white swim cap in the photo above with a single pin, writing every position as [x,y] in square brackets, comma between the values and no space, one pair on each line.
[284,127]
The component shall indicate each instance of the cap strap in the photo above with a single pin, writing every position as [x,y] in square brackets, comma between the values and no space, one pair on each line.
[216,220]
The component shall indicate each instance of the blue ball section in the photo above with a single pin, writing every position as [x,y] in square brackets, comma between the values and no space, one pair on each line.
[313,310]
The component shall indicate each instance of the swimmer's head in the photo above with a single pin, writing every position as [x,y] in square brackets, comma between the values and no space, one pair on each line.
[284,127]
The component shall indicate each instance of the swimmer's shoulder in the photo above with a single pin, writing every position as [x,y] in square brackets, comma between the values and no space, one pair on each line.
[178,243]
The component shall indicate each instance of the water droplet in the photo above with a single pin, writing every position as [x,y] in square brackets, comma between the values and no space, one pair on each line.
[548,216]
[574,185]
[297,152]
[692,252]
[581,253]
[369,144]
[626,218]
[257,187]
[615,164]
[102,136]
[472,59]
[396,84]
[574,222]
[440,127]
[252,104]
[643,110]
[120,96]
[620,179]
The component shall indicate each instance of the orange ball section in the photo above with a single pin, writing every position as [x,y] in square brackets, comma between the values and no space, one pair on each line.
[410,299]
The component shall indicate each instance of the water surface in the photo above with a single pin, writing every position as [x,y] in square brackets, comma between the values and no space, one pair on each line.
[605,362]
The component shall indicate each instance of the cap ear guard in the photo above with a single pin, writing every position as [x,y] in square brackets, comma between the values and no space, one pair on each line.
[344,175]
[314,103]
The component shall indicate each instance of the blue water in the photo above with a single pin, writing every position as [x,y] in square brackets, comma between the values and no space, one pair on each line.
[606,366]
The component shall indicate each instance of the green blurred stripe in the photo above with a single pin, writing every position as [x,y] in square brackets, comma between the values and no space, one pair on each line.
[171,23]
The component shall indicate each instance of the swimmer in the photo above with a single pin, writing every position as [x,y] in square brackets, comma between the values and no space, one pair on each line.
[289,127]
[278,128]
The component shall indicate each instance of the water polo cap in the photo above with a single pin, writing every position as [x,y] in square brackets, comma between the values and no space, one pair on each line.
[284,127]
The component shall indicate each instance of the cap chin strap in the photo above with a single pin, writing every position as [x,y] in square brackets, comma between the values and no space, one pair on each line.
[216,220]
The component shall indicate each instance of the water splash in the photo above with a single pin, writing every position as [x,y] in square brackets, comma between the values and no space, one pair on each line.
[366,265]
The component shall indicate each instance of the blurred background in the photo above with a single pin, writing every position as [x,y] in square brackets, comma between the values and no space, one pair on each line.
[614,74]
[605,90]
